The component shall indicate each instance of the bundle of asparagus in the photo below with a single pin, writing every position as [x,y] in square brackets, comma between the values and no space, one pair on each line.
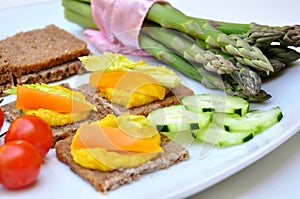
[232,57]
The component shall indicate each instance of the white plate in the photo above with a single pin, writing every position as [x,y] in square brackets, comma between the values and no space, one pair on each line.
[207,165]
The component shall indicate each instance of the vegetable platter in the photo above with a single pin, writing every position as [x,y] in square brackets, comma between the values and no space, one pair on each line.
[208,165]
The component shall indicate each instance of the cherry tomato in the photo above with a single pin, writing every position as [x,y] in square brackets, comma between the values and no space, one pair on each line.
[1,118]
[20,164]
[32,129]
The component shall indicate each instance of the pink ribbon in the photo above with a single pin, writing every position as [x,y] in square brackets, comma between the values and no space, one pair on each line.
[119,22]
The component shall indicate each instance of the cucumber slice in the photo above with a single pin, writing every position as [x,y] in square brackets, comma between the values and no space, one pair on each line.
[254,121]
[216,103]
[215,135]
[219,117]
[176,118]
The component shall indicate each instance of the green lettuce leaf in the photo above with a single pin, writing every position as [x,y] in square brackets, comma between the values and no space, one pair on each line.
[118,62]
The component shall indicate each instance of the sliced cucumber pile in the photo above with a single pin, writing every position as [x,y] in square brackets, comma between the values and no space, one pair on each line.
[176,118]
[228,129]
[215,119]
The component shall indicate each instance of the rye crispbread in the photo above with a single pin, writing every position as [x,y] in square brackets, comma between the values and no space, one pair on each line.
[172,98]
[59,132]
[106,181]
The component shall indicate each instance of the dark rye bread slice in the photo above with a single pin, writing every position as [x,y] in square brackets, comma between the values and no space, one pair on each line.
[107,181]
[41,56]
[39,49]
[173,97]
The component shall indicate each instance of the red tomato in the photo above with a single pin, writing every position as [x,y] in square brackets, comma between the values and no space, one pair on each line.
[32,129]
[20,164]
[1,118]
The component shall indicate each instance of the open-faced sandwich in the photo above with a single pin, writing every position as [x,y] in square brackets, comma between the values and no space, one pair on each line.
[60,106]
[123,85]
[117,150]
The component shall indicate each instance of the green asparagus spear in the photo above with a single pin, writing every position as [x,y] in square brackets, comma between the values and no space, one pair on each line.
[79,12]
[257,34]
[79,19]
[281,53]
[291,36]
[233,88]
[81,7]
[187,48]
[250,82]
[247,79]
[230,44]
[163,54]
[278,67]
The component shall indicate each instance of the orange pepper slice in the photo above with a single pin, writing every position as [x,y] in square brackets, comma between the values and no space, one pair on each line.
[32,99]
[130,81]
[112,138]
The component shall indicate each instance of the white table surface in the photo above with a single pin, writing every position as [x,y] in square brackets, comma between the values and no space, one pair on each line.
[275,176]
